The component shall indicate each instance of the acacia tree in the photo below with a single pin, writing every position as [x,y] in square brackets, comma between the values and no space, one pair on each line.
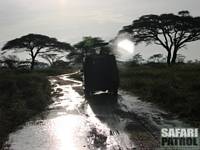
[35,45]
[88,46]
[156,58]
[137,58]
[51,58]
[11,61]
[170,31]
[180,58]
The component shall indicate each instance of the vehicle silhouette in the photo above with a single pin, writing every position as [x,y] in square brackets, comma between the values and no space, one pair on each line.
[100,74]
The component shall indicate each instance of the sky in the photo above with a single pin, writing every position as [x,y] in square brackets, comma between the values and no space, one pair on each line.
[70,20]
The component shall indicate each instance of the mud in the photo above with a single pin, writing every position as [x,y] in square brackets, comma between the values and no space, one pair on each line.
[103,122]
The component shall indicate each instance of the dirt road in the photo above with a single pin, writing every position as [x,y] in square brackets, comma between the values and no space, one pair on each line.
[73,123]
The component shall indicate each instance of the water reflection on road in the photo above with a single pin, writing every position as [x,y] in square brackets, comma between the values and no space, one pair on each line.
[73,123]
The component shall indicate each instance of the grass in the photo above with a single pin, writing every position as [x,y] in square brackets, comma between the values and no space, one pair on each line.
[23,94]
[175,88]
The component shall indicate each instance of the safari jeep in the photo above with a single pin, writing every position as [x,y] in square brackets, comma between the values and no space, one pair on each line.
[100,74]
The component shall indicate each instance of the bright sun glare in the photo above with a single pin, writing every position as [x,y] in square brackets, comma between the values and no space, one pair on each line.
[126,45]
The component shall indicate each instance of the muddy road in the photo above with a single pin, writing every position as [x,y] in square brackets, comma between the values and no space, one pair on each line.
[73,123]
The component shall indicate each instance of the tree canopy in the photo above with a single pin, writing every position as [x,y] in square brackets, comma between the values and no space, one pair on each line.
[170,31]
[156,58]
[36,44]
[51,58]
[88,46]
[137,59]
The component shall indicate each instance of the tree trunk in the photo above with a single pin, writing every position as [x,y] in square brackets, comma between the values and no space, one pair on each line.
[169,58]
[33,56]
[33,63]
[174,56]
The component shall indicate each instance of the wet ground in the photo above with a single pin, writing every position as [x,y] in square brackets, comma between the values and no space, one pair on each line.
[73,123]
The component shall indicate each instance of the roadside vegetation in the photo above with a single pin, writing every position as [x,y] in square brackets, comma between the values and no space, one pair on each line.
[175,88]
[25,90]
[23,94]
[166,81]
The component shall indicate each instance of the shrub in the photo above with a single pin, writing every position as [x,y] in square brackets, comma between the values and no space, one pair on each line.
[175,88]
[22,95]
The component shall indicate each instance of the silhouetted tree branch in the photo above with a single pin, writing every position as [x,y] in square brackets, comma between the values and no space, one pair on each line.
[51,58]
[36,44]
[170,31]
[156,58]
[88,46]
